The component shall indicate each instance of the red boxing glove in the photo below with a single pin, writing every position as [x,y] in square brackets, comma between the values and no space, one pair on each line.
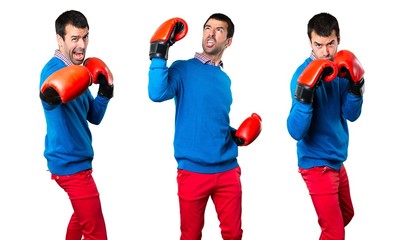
[311,77]
[101,75]
[98,70]
[249,130]
[166,35]
[350,68]
[65,84]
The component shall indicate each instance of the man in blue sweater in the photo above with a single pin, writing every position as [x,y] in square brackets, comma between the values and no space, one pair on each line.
[205,146]
[68,107]
[327,91]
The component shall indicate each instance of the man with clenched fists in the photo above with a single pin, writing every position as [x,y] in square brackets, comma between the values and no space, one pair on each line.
[205,145]
[68,108]
[327,93]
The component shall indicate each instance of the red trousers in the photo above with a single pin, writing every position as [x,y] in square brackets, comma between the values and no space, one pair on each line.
[330,194]
[87,220]
[194,190]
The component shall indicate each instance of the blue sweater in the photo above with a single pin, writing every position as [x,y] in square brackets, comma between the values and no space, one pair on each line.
[321,128]
[68,141]
[202,95]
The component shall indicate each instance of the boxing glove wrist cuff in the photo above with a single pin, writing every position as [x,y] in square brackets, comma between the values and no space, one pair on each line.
[106,90]
[50,96]
[159,50]
[237,140]
[304,94]
[357,88]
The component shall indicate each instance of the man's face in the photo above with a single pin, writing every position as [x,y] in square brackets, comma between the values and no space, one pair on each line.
[214,37]
[75,44]
[324,47]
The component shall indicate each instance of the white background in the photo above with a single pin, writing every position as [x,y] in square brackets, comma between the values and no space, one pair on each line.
[134,166]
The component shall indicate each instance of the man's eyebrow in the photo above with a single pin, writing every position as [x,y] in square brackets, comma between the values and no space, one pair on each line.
[332,41]
[320,44]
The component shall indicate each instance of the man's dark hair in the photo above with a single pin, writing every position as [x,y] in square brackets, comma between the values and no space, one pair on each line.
[73,17]
[323,24]
[224,18]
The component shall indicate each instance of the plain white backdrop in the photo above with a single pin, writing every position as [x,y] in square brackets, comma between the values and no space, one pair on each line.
[134,166]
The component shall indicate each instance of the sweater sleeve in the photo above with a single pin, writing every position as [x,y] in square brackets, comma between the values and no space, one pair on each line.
[160,87]
[299,119]
[300,115]
[352,106]
[97,109]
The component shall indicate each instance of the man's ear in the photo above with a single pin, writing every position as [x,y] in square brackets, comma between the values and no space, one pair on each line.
[229,41]
[59,39]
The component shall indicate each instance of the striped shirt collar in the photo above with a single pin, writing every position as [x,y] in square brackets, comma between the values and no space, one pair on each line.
[313,57]
[205,60]
[62,57]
